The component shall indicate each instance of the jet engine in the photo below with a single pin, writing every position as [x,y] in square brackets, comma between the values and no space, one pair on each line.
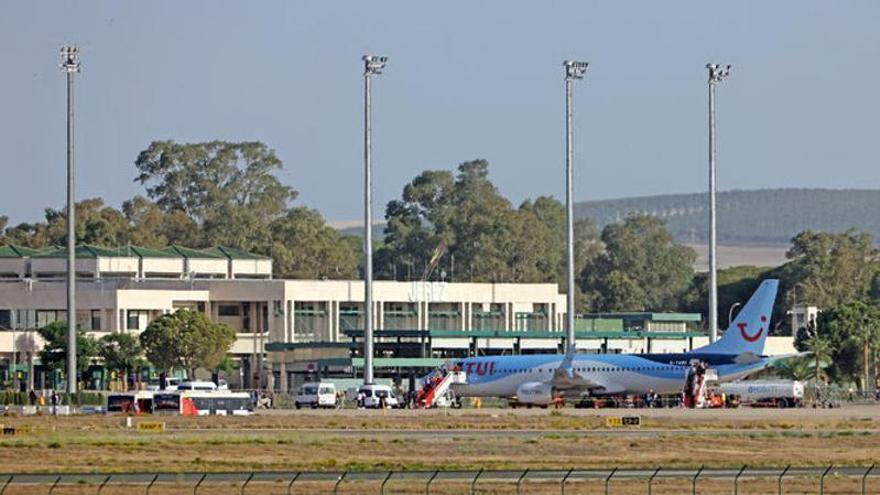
[537,393]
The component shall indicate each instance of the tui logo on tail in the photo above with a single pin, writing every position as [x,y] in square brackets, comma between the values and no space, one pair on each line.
[751,338]
[749,330]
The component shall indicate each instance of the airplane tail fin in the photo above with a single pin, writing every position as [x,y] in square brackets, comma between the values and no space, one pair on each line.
[748,331]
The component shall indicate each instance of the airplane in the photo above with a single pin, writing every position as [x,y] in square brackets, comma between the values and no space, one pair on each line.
[541,379]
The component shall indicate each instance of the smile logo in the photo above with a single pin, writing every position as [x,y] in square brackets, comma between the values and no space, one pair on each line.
[745,333]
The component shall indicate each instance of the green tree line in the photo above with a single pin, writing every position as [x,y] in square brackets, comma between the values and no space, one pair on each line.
[185,339]
[627,253]
[201,195]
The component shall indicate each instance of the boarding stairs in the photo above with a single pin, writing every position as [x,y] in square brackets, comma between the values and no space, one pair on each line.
[710,376]
[698,377]
[436,389]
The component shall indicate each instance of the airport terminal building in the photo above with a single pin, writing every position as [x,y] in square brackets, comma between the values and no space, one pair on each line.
[295,328]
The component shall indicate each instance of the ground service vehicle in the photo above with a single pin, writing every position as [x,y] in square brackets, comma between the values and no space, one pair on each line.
[196,385]
[170,384]
[203,403]
[766,393]
[137,402]
[316,395]
[375,396]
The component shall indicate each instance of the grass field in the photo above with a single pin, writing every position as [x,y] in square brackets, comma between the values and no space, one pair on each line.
[468,439]
[447,440]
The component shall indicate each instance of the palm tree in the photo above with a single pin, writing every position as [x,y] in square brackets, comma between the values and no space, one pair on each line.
[798,368]
[875,357]
[859,323]
[864,333]
[820,348]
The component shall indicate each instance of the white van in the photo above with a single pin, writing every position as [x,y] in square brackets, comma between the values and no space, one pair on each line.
[374,395]
[170,384]
[316,395]
[197,385]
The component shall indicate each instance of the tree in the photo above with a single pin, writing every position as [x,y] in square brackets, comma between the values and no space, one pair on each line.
[477,224]
[303,246]
[188,339]
[481,225]
[488,239]
[54,352]
[96,223]
[543,226]
[207,194]
[865,333]
[228,189]
[820,347]
[852,330]
[641,268]
[152,227]
[416,224]
[796,368]
[121,352]
[832,269]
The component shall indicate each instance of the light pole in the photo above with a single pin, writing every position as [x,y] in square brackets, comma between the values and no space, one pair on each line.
[573,71]
[716,74]
[70,63]
[373,65]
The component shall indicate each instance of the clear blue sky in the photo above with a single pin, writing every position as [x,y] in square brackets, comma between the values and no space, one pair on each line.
[465,80]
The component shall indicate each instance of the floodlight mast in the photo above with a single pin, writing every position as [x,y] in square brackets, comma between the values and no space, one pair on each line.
[70,64]
[373,65]
[573,71]
[717,73]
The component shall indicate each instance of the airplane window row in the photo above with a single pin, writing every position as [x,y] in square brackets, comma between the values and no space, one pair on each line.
[590,369]
[632,368]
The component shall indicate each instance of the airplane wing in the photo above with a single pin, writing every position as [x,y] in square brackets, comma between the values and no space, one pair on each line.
[747,357]
[569,382]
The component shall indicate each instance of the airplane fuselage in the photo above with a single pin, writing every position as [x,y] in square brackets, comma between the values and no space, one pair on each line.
[501,376]
[542,376]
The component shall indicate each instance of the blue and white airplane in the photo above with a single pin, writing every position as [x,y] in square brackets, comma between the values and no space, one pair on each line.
[540,378]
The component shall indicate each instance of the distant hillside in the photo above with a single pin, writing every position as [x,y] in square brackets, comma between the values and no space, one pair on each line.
[351,227]
[758,217]
[765,216]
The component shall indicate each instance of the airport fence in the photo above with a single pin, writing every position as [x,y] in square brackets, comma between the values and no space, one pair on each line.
[654,481]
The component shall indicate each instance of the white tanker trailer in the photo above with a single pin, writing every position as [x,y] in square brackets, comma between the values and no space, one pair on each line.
[772,393]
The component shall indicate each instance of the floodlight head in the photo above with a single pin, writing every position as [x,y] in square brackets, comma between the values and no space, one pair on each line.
[717,72]
[374,64]
[575,69]
[70,58]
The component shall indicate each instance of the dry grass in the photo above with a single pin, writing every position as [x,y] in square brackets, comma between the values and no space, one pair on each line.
[343,440]
[124,451]
[859,417]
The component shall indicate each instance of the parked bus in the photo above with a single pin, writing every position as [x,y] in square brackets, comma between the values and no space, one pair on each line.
[203,403]
[135,402]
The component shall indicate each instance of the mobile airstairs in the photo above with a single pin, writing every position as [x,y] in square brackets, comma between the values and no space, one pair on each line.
[436,390]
